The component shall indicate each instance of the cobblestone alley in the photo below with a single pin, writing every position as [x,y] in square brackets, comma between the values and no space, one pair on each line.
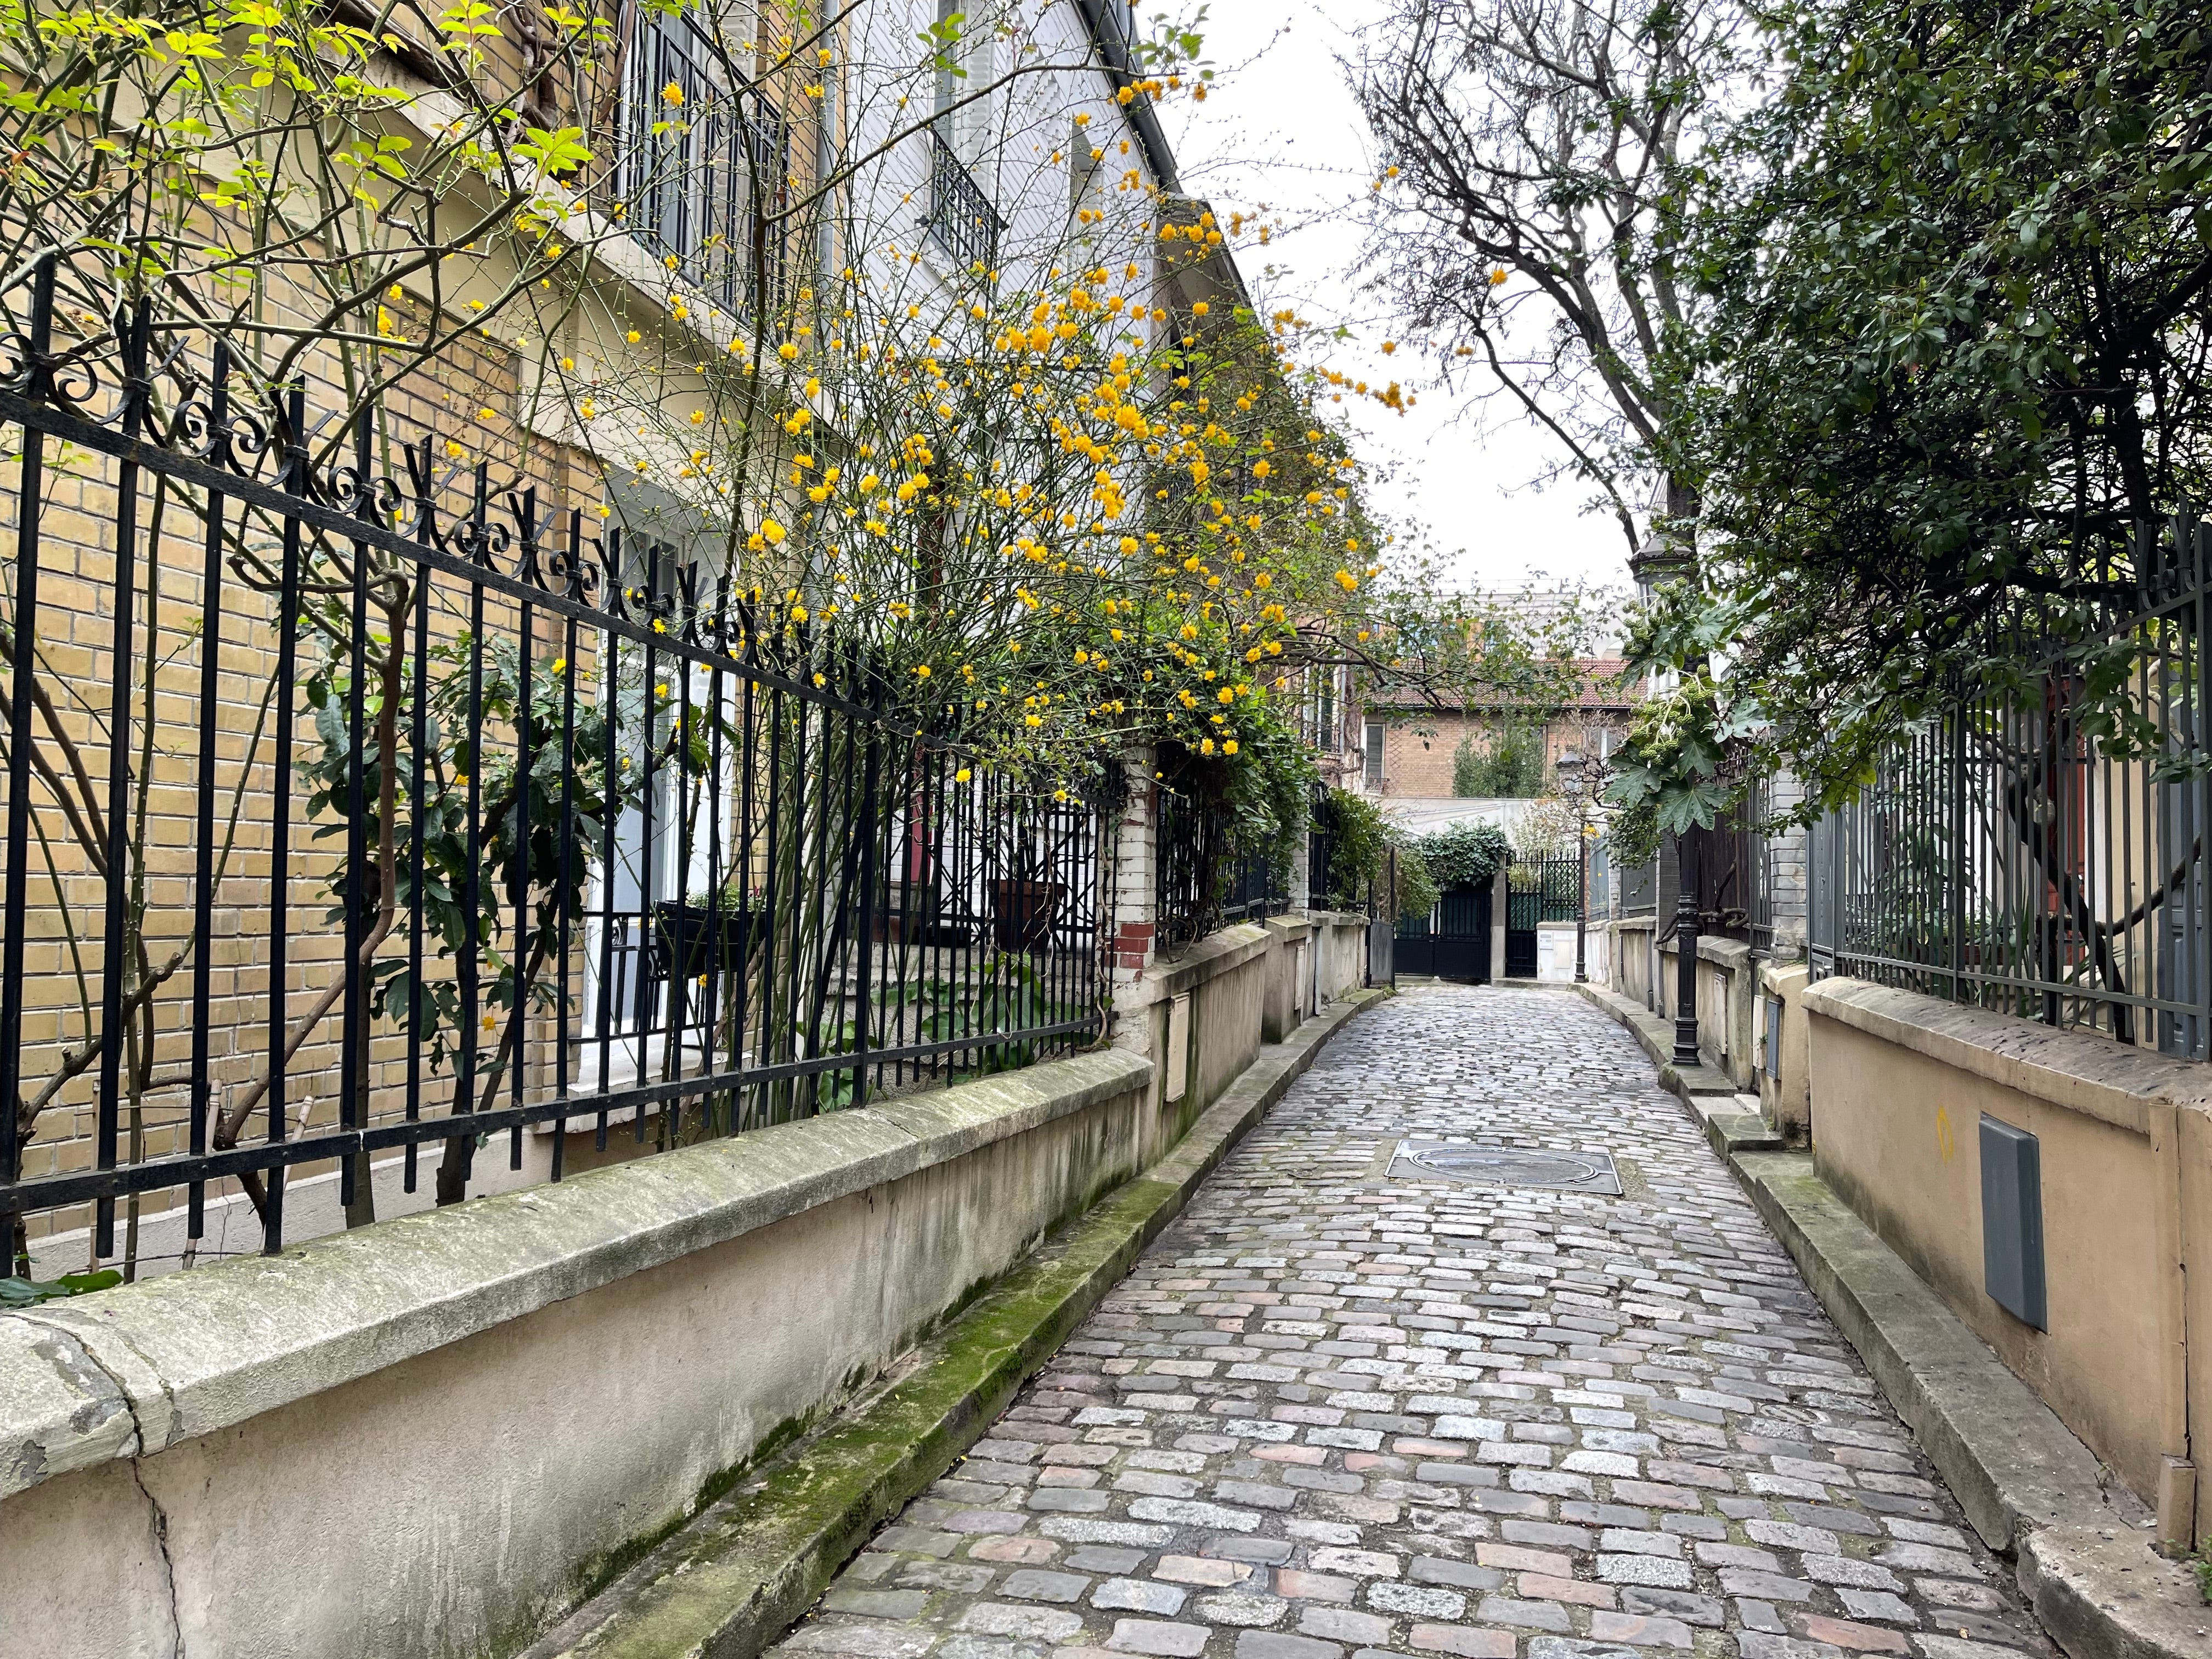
[1332,1416]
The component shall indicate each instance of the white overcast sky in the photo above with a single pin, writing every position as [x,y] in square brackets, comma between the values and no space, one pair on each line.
[1281,129]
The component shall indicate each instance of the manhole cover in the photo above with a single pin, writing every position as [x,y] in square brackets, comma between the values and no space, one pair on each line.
[1506,1166]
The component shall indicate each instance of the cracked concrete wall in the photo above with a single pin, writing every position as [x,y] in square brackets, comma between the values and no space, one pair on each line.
[427,1438]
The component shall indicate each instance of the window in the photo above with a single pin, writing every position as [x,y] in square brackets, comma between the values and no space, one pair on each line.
[703,160]
[1374,765]
[1081,168]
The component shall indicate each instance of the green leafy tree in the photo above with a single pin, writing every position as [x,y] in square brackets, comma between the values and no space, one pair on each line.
[1512,766]
[1960,270]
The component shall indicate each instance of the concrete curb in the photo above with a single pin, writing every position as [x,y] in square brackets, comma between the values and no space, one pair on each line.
[729,1583]
[2030,1489]
[2023,1478]
[1709,1096]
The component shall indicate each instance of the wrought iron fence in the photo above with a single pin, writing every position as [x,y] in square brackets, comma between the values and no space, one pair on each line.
[1754,858]
[1186,867]
[1202,883]
[2008,854]
[1254,890]
[961,216]
[355,803]
[1320,850]
[1542,890]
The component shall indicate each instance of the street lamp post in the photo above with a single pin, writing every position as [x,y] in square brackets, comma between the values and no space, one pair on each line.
[1685,950]
[1668,554]
[1570,769]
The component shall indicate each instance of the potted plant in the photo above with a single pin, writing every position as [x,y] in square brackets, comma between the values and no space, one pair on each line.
[704,932]
[1023,904]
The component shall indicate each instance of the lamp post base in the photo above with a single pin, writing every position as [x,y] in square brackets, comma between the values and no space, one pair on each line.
[1686,959]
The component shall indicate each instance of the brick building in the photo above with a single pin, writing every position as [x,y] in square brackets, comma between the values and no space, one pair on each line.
[1407,750]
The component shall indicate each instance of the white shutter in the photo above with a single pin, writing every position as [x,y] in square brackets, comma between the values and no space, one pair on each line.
[974,130]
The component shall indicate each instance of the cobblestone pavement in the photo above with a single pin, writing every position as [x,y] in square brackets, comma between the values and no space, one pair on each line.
[1331,1416]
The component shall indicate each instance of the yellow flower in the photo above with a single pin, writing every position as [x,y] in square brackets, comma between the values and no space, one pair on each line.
[1199,310]
[962,775]
[921,670]
[787,351]
[772,532]
[1261,578]
[1261,469]
[1206,746]
[798,613]
[559,665]
[632,336]
[1224,696]
[1346,581]
[1497,276]
[1033,720]
[485,414]
[821,679]
[673,95]
[1229,746]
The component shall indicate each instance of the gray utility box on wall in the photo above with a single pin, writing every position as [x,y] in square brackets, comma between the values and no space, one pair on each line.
[2012,1221]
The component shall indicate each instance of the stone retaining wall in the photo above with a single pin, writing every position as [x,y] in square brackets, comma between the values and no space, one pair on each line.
[433,1435]
[1899,1083]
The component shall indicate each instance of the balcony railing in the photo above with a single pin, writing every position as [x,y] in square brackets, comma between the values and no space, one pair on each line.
[961,216]
[703,179]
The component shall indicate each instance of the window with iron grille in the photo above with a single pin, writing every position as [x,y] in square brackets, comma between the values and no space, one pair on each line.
[1374,764]
[705,162]
[962,216]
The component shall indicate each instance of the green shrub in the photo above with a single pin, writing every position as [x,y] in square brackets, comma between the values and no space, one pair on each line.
[1465,855]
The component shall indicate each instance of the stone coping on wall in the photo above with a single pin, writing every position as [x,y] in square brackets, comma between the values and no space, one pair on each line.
[1731,953]
[1209,958]
[130,1371]
[1336,918]
[2112,1082]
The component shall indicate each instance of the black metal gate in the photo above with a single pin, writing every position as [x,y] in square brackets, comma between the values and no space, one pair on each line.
[1536,890]
[1452,941]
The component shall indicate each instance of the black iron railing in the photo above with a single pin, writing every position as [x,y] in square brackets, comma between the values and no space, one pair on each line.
[704,172]
[1203,881]
[463,817]
[961,217]
[1187,856]
[1254,890]
[2009,855]
[1321,882]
